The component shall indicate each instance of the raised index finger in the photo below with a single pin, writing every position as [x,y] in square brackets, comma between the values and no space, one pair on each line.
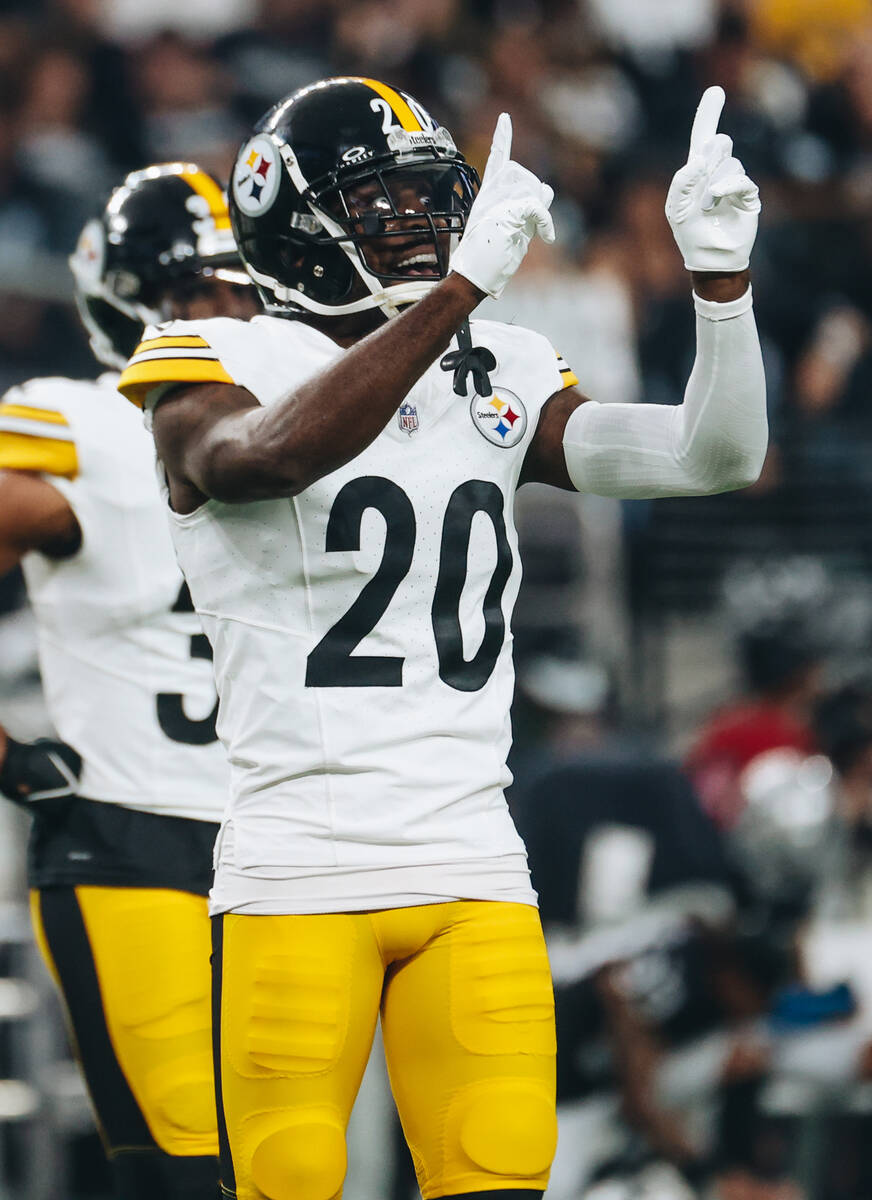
[501,146]
[705,123]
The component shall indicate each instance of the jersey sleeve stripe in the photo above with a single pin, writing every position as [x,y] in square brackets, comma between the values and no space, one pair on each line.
[23,452]
[48,415]
[139,379]
[35,428]
[172,340]
[570,379]
[168,352]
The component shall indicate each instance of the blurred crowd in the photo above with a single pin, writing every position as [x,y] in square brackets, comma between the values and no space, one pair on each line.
[602,93]
[709,913]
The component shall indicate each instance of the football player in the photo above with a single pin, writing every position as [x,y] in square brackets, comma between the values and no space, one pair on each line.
[120,858]
[341,504]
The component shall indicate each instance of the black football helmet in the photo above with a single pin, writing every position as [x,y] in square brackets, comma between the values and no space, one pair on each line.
[346,180]
[166,226]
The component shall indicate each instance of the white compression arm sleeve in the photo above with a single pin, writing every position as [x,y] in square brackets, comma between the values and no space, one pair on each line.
[714,442]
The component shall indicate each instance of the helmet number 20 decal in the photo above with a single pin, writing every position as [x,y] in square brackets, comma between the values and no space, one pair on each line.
[382,106]
[390,119]
[256,176]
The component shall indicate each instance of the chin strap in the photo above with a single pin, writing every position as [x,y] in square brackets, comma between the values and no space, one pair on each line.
[468,359]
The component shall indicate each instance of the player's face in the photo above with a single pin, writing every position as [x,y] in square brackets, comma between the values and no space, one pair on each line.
[395,212]
[205,297]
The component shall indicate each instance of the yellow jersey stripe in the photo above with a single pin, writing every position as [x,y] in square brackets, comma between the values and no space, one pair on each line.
[139,378]
[22,452]
[398,105]
[199,182]
[159,343]
[569,377]
[27,412]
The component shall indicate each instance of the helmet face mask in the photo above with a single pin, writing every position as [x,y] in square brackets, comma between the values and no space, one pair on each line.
[349,197]
[164,235]
[114,335]
[400,212]
[114,322]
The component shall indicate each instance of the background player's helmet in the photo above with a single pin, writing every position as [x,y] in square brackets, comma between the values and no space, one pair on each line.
[329,176]
[166,226]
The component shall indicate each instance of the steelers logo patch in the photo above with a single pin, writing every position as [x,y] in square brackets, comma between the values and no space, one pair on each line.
[256,176]
[500,419]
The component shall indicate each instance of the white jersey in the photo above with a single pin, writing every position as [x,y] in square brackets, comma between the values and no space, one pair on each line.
[125,666]
[361,632]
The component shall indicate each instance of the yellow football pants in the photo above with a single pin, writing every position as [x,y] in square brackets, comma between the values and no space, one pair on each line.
[132,966]
[468,1022]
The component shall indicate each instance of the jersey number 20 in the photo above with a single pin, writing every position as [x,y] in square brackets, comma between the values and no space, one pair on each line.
[332,664]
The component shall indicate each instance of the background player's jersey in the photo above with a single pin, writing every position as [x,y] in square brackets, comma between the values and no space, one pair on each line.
[361,632]
[126,669]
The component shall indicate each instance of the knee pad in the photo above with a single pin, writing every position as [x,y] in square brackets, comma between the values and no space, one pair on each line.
[302,1161]
[181,1114]
[509,1127]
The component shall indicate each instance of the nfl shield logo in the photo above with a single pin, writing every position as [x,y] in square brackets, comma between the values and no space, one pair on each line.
[408,418]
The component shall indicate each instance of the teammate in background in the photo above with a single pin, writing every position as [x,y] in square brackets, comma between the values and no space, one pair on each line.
[120,859]
[342,510]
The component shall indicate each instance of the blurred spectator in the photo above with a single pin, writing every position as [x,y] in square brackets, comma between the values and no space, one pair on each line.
[840,339]
[634,889]
[129,19]
[186,116]
[16,43]
[29,210]
[640,245]
[37,335]
[843,724]
[78,26]
[54,147]
[571,816]
[816,35]
[781,650]
[583,774]
[287,46]
[803,841]
[654,27]
[587,312]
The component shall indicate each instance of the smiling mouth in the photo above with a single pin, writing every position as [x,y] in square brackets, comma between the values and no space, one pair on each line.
[423,263]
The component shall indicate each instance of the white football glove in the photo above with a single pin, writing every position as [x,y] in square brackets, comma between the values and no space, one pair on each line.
[510,208]
[712,205]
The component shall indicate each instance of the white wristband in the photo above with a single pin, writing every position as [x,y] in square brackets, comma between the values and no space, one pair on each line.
[713,310]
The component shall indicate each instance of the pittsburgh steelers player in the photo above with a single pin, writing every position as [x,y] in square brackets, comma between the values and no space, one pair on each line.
[340,496]
[120,860]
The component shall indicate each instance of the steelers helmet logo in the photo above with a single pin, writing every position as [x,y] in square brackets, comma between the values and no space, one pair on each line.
[90,254]
[500,419]
[256,176]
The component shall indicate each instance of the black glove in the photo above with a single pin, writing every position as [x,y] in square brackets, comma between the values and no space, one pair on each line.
[40,770]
